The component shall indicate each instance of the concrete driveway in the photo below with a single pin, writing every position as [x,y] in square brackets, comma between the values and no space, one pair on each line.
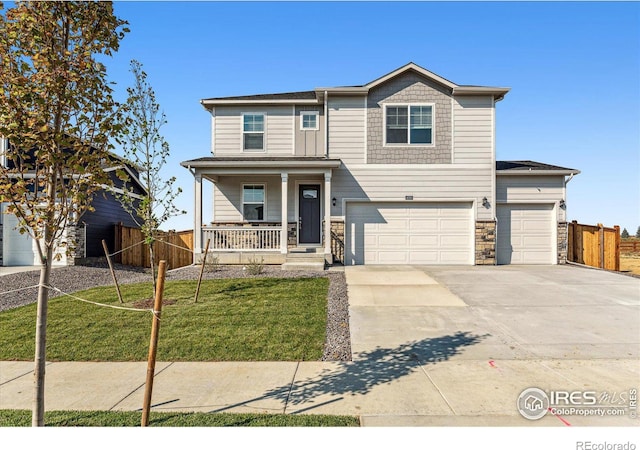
[482,335]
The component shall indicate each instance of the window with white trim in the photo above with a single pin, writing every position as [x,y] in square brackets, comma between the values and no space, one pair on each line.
[409,124]
[308,120]
[253,132]
[253,201]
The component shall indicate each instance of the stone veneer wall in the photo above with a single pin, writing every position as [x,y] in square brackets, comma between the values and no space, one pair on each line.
[563,237]
[485,242]
[409,88]
[76,244]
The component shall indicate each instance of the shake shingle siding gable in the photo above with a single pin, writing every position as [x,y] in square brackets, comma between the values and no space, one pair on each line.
[409,88]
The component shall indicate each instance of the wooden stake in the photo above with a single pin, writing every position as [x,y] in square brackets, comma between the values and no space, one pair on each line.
[204,261]
[113,273]
[153,344]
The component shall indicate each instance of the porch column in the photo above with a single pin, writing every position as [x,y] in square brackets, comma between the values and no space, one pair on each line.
[284,232]
[197,225]
[327,213]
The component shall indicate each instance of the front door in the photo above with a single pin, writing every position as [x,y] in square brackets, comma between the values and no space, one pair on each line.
[309,208]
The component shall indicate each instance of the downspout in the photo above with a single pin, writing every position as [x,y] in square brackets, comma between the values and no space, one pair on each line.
[326,124]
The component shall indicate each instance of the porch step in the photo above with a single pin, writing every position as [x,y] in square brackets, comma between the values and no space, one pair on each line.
[304,259]
[304,265]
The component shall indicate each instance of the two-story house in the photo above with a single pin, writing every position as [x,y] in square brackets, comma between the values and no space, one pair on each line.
[86,232]
[401,170]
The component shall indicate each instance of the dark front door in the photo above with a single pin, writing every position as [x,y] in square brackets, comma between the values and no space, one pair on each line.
[309,208]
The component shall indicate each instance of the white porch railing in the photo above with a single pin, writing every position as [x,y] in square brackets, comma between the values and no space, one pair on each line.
[242,239]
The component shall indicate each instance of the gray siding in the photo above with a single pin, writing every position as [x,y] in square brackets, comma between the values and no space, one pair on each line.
[309,143]
[423,182]
[409,88]
[531,189]
[347,125]
[227,196]
[279,133]
[473,130]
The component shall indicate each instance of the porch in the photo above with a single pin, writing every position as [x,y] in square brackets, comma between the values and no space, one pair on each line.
[270,210]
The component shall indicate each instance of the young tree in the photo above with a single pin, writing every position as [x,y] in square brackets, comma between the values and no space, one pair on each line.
[146,148]
[624,234]
[57,111]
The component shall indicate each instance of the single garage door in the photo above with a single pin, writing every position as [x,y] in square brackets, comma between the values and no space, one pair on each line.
[409,233]
[525,234]
[18,248]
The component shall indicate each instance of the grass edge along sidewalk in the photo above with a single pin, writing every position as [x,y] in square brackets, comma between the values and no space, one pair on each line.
[22,418]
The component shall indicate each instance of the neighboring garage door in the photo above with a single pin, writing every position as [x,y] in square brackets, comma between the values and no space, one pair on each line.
[525,234]
[17,248]
[409,233]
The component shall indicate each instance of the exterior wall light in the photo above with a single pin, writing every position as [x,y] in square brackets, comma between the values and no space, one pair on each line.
[333,201]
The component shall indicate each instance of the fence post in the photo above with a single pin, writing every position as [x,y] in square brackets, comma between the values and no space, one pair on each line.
[617,249]
[601,246]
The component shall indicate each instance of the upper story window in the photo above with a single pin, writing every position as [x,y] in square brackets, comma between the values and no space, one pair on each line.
[253,131]
[409,124]
[309,120]
[253,200]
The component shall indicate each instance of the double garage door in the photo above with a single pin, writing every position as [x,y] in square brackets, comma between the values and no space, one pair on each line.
[409,233]
[526,234]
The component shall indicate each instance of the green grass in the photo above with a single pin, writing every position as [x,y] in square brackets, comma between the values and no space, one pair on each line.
[265,319]
[22,418]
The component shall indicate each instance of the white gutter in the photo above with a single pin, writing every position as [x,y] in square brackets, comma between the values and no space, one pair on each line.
[326,124]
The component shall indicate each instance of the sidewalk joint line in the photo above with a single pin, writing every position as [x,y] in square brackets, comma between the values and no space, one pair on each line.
[293,380]
[438,389]
[139,386]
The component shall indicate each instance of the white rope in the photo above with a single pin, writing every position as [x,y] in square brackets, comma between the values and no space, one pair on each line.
[125,249]
[20,289]
[174,245]
[155,313]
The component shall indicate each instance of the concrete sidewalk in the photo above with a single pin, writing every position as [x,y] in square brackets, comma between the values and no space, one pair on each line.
[394,390]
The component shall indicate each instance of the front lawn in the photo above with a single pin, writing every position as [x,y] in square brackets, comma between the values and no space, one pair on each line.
[263,319]
[22,418]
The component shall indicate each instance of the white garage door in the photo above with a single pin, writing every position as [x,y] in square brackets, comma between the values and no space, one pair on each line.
[525,234]
[415,233]
[17,248]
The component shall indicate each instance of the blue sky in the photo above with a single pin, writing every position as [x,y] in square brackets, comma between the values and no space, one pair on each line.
[573,69]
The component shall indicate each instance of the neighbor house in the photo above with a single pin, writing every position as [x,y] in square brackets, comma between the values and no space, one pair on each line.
[401,170]
[87,231]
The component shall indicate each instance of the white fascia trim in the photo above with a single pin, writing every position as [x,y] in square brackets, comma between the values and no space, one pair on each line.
[411,66]
[121,191]
[535,172]
[131,174]
[344,90]
[497,92]
[260,102]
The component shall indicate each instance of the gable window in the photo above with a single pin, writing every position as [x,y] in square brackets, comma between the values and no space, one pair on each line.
[309,120]
[253,196]
[253,132]
[409,124]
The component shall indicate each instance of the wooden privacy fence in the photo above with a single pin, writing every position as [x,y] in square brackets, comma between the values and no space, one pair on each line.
[166,248]
[594,245]
[630,246]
